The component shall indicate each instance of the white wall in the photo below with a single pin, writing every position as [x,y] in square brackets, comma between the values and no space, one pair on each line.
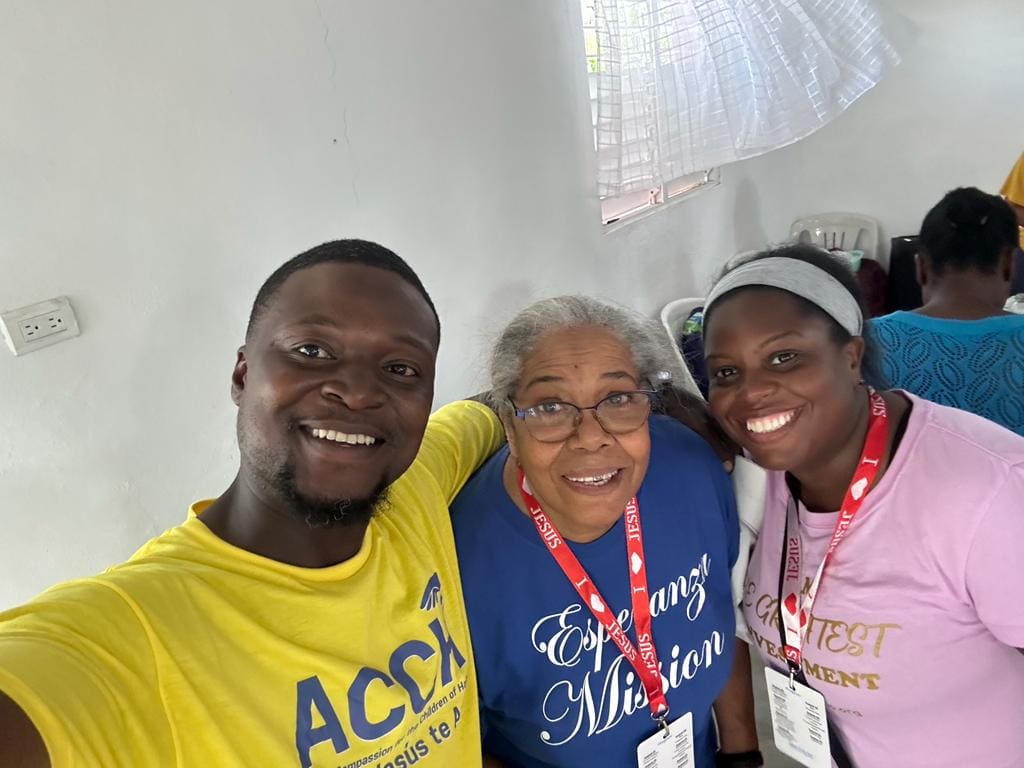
[158,160]
[951,115]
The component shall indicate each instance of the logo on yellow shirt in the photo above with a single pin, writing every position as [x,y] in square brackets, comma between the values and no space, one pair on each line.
[431,595]
[314,704]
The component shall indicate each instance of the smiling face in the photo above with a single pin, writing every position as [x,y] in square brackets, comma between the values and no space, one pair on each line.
[780,384]
[585,480]
[334,387]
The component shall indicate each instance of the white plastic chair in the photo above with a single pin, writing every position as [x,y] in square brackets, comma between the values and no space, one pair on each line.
[843,231]
[749,480]
[673,317]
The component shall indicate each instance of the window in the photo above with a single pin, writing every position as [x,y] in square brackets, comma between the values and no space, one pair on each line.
[618,208]
[680,87]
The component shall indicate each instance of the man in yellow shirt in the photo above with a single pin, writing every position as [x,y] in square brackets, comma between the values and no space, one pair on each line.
[311,615]
[1013,191]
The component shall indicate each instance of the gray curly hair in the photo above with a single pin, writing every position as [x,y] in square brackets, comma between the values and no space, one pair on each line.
[650,346]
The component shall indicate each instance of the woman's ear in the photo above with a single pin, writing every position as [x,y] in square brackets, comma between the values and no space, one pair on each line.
[854,354]
[510,436]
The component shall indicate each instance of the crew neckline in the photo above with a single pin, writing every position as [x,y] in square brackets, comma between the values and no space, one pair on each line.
[995,322]
[196,528]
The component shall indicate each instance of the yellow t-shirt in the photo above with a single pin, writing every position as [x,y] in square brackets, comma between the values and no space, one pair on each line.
[1013,189]
[197,654]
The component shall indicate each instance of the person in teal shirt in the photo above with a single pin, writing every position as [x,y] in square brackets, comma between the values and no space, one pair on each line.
[962,348]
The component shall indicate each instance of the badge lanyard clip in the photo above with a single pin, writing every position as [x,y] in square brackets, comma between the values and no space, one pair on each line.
[662,721]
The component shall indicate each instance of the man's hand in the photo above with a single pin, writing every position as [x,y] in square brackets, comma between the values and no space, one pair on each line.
[689,409]
[21,746]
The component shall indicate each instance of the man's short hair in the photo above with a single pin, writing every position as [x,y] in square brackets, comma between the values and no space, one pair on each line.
[338,252]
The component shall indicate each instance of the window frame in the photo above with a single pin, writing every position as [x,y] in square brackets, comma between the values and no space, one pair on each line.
[620,210]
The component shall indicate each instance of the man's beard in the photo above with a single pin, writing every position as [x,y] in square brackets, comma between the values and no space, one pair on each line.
[329,513]
[273,470]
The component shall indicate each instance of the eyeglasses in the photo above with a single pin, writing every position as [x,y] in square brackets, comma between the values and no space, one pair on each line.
[554,421]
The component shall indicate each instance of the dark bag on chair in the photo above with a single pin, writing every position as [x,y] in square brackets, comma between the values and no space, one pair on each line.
[902,290]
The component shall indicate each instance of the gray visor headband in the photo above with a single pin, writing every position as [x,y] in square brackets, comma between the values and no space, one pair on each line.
[805,280]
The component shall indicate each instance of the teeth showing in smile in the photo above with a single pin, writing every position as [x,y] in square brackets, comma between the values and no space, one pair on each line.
[595,480]
[766,424]
[342,437]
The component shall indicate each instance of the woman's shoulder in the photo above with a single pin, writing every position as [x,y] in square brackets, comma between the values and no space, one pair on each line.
[949,458]
[681,456]
[673,439]
[483,489]
[961,436]
[683,465]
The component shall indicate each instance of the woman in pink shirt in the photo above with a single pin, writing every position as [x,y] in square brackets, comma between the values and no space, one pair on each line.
[910,628]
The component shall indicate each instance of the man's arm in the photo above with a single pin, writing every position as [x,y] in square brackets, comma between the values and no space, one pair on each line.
[459,438]
[734,709]
[21,746]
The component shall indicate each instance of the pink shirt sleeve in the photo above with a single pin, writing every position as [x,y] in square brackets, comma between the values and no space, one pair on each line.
[993,563]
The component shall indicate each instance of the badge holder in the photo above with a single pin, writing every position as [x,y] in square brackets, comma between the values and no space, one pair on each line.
[670,747]
[799,721]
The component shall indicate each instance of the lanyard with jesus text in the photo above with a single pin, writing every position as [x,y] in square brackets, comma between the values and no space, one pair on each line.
[643,656]
[794,614]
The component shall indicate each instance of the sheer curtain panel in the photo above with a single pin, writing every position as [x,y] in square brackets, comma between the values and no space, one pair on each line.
[687,85]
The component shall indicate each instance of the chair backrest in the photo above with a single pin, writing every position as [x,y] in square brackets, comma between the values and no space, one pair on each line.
[843,231]
[749,480]
[673,317]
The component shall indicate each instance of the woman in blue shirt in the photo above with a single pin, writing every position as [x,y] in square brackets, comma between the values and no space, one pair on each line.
[961,348]
[590,615]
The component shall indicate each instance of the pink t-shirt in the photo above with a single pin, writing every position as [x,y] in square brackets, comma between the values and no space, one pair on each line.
[913,636]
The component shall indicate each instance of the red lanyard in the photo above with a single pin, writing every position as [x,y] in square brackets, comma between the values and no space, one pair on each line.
[644,661]
[794,613]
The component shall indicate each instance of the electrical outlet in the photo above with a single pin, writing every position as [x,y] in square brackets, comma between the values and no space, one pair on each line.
[39,325]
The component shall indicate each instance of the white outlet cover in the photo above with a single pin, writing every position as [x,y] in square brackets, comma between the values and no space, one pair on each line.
[49,315]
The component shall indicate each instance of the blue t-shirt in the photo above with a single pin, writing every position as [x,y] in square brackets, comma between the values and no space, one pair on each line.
[554,689]
[973,365]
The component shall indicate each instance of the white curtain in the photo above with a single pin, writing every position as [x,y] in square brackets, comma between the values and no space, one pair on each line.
[686,85]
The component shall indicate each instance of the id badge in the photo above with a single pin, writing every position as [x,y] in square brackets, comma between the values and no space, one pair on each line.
[798,720]
[669,749]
